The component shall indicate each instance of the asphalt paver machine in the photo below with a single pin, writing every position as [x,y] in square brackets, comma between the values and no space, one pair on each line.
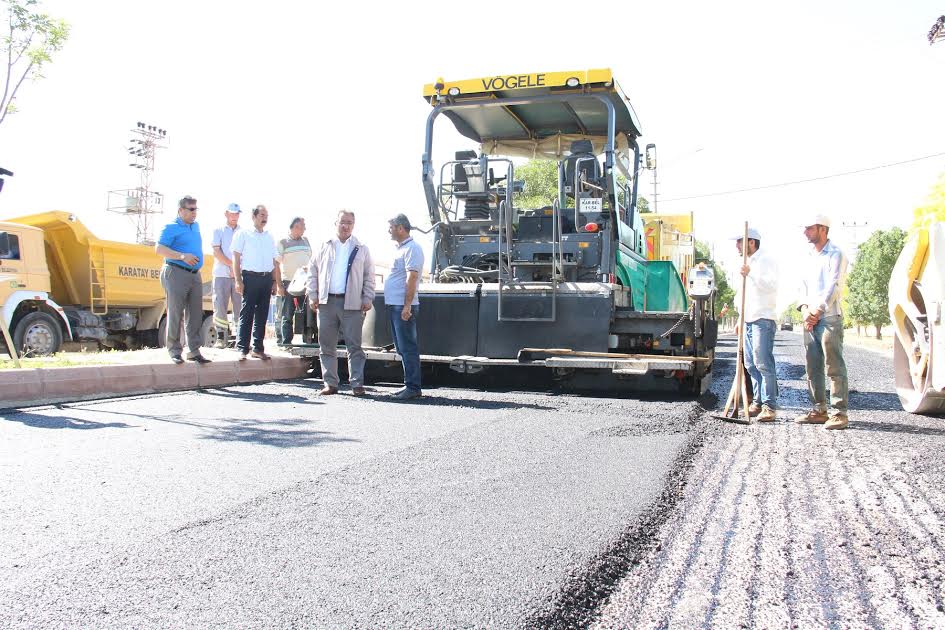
[566,286]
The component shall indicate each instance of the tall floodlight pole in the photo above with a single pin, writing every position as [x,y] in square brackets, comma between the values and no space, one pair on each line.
[140,203]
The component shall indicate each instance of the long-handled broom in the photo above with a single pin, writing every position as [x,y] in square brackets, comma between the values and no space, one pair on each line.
[738,396]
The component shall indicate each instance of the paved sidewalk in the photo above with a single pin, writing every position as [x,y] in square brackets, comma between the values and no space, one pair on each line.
[140,372]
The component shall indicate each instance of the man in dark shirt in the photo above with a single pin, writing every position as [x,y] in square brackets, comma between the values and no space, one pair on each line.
[182,248]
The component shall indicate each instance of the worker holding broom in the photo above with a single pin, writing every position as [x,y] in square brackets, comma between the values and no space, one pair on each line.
[760,272]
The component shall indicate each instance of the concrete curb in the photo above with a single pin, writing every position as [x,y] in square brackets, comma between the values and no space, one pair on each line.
[41,386]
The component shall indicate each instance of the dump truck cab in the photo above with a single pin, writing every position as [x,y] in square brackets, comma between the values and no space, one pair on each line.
[34,318]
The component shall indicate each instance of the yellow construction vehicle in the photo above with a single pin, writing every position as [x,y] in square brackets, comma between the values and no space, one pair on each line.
[60,283]
[916,301]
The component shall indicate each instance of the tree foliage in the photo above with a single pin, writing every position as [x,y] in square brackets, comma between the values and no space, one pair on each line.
[541,183]
[541,186]
[791,314]
[869,281]
[28,43]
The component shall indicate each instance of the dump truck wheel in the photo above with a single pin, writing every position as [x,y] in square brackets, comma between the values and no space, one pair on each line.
[37,334]
[208,332]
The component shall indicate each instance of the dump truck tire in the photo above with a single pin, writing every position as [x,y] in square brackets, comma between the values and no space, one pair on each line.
[162,332]
[208,332]
[37,334]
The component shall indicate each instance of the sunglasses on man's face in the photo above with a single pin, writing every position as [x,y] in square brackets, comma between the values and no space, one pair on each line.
[194,209]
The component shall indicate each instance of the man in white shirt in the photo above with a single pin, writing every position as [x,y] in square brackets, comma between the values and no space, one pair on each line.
[256,271]
[341,289]
[821,290]
[224,285]
[761,292]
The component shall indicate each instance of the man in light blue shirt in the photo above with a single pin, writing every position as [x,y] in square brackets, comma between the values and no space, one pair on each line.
[403,303]
[821,289]
[182,248]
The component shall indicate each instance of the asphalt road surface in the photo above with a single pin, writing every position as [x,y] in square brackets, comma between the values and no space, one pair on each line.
[267,506]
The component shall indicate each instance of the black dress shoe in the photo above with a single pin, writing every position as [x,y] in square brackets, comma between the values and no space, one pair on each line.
[176,358]
[199,358]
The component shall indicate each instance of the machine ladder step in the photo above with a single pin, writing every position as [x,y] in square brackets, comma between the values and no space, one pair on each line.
[97,293]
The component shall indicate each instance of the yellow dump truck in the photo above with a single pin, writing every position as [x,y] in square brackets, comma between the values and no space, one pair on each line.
[59,283]
[670,237]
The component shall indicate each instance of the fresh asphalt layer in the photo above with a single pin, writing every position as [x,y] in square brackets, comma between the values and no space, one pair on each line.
[267,505]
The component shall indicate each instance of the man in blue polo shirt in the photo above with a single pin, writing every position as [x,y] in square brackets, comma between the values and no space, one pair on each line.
[182,248]
[403,303]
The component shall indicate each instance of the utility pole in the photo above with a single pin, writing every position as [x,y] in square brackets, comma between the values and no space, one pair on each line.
[138,204]
[651,165]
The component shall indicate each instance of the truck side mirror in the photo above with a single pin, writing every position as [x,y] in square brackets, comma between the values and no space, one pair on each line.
[650,157]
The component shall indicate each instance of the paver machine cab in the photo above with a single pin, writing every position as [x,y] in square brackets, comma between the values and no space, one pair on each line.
[567,285]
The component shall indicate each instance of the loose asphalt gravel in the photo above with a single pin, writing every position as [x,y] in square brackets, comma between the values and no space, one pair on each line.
[266,506]
[790,525]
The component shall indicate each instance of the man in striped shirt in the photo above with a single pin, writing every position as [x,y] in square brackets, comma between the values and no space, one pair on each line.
[294,253]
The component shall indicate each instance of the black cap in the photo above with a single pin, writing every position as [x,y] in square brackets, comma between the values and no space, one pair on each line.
[401,219]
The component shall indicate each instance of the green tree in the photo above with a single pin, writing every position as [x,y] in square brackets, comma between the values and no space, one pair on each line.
[541,184]
[791,314]
[28,43]
[869,281]
[725,295]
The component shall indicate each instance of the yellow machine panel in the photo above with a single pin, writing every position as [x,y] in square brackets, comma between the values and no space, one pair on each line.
[521,81]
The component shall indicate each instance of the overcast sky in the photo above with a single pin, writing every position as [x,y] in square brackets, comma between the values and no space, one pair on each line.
[308,108]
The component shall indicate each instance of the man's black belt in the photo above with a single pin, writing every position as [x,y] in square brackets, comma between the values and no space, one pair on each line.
[183,268]
[257,273]
[341,295]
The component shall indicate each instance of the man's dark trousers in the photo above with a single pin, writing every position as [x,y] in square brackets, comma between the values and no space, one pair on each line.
[257,291]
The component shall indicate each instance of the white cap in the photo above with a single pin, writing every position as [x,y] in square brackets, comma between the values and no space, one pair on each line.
[816,219]
[752,234]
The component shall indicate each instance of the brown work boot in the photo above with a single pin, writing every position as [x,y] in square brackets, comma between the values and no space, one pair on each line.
[357,391]
[767,414]
[837,421]
[753,410]
[328,390]
[812,417]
